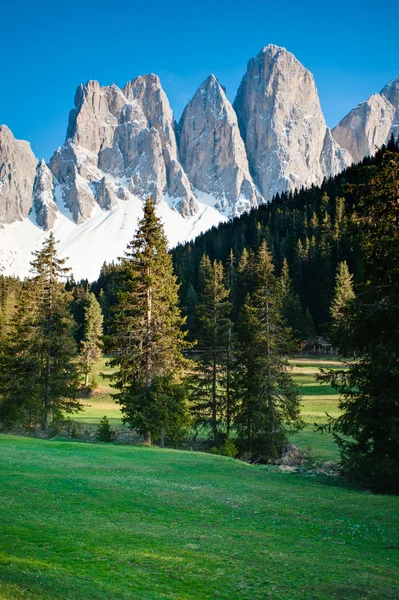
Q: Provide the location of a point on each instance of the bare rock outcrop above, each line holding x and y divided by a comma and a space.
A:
285, 134
212, 151
43, 197
17, 175
370, 124
128, 134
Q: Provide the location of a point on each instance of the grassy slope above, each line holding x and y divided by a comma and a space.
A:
81, 521
316, 399
102, 403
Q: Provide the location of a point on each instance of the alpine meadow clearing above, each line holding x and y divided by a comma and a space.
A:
105, 521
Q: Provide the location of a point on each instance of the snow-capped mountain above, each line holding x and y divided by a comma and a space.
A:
123, 145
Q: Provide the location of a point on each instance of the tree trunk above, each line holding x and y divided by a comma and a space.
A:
214, 382
87, 380
147, 437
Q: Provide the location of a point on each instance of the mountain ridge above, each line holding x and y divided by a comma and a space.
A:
123, 144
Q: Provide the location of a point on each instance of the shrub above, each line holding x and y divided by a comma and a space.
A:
104, 431
228, 448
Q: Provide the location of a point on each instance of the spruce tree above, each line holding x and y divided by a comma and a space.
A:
269, 403
41, 354
93, 332
291, 310
54, 332
343, 292
210, 404
149, 340
20, 389
367, 431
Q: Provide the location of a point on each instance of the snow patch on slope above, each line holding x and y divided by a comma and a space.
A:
103, 237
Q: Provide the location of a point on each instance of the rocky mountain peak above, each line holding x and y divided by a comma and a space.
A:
371, 123
212, 150
43, 197
280, 118
128, 135
391, 92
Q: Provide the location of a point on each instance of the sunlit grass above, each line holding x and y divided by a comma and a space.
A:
317, 400
100, 522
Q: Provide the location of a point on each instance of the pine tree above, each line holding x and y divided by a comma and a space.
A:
93, 331
290, 307
343, 292
40, 355
20, 389
367, 431
269, 403
10, 288
214, 329
149, 340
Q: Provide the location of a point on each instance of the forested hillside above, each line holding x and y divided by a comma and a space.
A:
313, 229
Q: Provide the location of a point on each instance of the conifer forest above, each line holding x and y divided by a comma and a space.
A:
198, 337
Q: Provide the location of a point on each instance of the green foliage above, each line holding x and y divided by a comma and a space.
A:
343, 292
370, 330
211, 397
149, 340
268, 404
39, 378
10, 288
91, 344
104, 431
228, 448
163, 409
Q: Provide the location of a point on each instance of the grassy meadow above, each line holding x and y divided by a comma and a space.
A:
316, 401
89, 521
99, 521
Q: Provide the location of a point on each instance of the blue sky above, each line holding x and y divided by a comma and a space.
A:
48, 48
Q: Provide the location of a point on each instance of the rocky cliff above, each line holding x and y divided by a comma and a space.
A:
285, 134
212, 150
371, 123
17, 174
127, 135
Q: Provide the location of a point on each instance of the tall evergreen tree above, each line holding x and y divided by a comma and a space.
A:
343, 292
41, 353
294, 317
93, 332
20, 390
367, 431
210, 404
149, 340
269, 403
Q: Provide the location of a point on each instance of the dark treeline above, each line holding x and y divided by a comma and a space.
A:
314, 230
199, 336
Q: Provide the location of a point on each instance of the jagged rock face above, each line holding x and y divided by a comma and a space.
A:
391, 92
17, 175
43, 197
371, 123
366, 127
106, 198
212, 151
128, 134
74, 169
285, 134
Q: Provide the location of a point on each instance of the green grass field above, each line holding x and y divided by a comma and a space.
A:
85, 521
102, 402
316, 400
